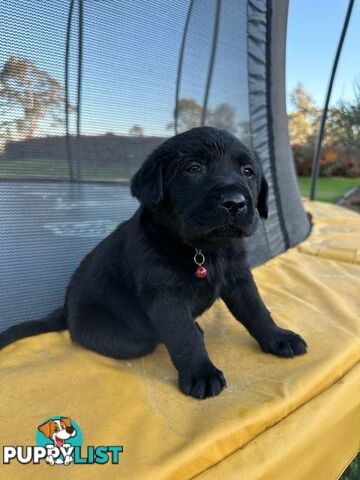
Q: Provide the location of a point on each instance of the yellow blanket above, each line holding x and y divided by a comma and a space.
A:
279, 418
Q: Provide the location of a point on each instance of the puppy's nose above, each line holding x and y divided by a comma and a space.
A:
233, 202
69, 429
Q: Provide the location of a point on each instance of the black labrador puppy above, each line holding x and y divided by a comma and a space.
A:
201, 192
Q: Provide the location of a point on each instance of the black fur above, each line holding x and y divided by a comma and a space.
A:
138, 286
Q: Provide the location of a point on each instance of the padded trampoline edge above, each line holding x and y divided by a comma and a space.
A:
244, 458
295, 220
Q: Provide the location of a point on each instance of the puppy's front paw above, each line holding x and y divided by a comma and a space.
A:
205, 382
68, 459
283, 343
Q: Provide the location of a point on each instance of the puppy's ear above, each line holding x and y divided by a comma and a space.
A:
147, 184
66, 420
262, 202
45, 428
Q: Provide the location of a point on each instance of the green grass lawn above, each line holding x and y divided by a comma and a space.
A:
33, 168
329, 189
59, 169
353, 470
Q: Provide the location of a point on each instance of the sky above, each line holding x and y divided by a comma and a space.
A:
314, 28
131, 52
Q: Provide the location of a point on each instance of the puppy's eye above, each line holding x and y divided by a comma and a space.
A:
248, 171
56, 429
194, 168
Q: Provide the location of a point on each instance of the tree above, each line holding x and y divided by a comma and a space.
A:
189, 114
27, 95
340, 153
136, 131
303, 119
342, 135
343, 124
222, 116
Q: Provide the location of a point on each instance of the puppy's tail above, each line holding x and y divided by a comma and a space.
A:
54, 322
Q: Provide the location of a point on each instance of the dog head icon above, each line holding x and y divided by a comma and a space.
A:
58, 430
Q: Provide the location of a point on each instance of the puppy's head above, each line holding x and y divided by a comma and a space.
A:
208, 183
58, 430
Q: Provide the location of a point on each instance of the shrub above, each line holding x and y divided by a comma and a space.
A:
339, 160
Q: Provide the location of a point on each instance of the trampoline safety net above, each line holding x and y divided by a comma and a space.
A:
89, 88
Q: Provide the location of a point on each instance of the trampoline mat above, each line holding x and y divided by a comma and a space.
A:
279, 418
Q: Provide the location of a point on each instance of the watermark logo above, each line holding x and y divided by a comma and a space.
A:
59, 435
59, 442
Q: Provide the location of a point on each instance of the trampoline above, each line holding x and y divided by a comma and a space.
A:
216, 58
89, 89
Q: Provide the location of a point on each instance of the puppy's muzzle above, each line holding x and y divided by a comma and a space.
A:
233, 202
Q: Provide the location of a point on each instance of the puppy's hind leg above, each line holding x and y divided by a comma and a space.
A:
98, 329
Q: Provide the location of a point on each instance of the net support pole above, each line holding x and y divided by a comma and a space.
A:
67, 101
211, 62
316, 159
180, 65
